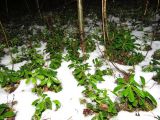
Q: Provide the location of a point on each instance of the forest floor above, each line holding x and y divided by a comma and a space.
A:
71, 94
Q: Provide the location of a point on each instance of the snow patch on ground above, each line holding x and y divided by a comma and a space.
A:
70, 96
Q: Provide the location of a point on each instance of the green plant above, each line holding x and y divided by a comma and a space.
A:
148, 68
104, 72
134, 58
36, 60
34, 57
153, 67
72, 47
42, 104
97, 62
6, 112
57, 103
2, 46
123, 41
147, 47
48, 80
9, 79
55, 41
157, 76
56, 61
18, 58
99, 116
90, 44
79, 72
85, 79
156, 54
122, 48
158, 117
15, 41
101, 103
14, 50
133, 96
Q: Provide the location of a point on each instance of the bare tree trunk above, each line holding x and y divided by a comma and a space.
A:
81, 27
104, 22
146, 7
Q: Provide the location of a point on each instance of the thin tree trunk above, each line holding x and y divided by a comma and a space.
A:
81, 27
146, 7
104, 22
7, 43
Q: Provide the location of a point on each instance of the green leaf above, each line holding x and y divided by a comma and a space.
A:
41, 77
43, 82
135, 103
141, 101
35, 102
49, 83
143, 81
4, 106
41, 106
131, 79
9, 114
120, 81
48, 103
79, 76
34, 81
119, 87
57, 103
28, 81
55, 80
1, 117
2, 110
138, 92
148, 95
131, 94
98, 117
125, 92
77, 71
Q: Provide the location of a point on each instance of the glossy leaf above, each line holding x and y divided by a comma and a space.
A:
131, 94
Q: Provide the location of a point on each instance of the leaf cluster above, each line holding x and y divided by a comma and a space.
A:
6, 112
101, 103
121, 47
42, 104
9, 77
47, 78
133, 96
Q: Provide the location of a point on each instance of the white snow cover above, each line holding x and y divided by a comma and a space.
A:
70, 96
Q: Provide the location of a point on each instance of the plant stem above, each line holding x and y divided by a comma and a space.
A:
7, 43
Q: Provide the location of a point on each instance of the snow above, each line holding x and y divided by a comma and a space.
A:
70, 96
155, 46
24, 98
124, 115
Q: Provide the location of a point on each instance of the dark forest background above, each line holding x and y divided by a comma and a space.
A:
14, 8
